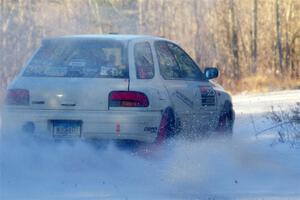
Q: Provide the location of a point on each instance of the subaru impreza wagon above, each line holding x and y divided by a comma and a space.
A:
123, 87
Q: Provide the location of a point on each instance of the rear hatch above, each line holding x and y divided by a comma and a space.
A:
75, 73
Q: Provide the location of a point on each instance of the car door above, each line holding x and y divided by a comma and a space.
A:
191, 94
204, 96
180, 94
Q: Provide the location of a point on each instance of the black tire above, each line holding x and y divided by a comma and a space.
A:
226, 121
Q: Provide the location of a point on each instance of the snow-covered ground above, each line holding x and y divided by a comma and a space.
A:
245, 168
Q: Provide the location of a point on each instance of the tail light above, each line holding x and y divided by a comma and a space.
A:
17, 97
128, 99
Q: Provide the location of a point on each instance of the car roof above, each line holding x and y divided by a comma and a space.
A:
119, 37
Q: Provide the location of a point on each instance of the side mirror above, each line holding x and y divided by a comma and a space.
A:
211, 72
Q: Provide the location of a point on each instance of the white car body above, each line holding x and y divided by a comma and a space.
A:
85, 101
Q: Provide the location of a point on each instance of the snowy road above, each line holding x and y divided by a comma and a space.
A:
245, 168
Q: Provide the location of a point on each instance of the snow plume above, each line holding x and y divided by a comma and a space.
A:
180, 169
246, 167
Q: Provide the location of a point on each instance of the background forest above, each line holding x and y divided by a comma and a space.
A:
254, 43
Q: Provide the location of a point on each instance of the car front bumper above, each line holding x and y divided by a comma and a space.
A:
122, 125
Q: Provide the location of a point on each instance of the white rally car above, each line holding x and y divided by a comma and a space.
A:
127, 87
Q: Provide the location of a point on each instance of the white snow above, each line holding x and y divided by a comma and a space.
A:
246, 167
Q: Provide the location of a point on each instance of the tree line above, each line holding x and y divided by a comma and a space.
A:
254, 43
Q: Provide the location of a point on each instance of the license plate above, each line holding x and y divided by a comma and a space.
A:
63, 128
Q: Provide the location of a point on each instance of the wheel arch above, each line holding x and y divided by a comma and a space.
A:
228, 109
175, 120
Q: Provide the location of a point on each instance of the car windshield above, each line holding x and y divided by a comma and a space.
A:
72, 58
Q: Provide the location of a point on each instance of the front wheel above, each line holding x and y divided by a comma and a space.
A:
225, 124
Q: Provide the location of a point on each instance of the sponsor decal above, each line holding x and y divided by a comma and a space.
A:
184, 99
207, 91
150, 129
208, 95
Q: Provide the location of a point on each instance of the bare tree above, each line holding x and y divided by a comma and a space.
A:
234, 41
254, 37
278, 30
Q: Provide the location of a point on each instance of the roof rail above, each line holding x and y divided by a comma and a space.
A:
113, 33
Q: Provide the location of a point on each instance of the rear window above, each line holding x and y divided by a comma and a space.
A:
87, 59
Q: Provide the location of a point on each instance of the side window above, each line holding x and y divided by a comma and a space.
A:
143, 60
188, 69
168, 66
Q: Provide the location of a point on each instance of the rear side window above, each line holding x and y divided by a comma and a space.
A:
168, 66
143, 61
79, 58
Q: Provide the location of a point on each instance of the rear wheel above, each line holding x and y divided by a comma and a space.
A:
166, 130
166, 127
